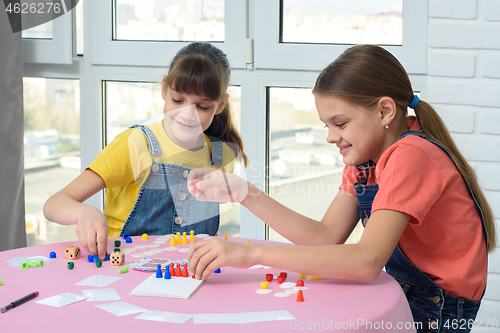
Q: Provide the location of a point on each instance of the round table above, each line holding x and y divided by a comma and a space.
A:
329, 304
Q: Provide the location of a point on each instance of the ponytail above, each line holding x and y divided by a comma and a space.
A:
434, 128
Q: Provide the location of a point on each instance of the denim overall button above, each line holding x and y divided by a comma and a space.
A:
178, 221
155, 168
185, 173
182, 196
436, 299
433, 324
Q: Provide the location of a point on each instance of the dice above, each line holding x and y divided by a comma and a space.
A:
72, 252
117, 258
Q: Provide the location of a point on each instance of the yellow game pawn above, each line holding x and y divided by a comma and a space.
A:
225, 235
172, 240
248, 241
184, 238
191, 237
178, 239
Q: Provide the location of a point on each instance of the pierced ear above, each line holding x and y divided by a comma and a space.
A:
388, 109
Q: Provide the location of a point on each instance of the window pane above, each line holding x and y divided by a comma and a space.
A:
51, 151
304, 171
42, 31
342, 22
169, 20
129, 103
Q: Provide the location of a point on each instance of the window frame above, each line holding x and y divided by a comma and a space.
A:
106, 51
57, 50
271, 54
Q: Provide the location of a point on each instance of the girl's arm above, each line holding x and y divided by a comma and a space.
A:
66, 207
335, 227
362, 261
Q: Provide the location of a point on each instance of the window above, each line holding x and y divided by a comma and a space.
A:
130, 43
292, 33
51, 151
342, 22
51, 42
304, 170
167, 20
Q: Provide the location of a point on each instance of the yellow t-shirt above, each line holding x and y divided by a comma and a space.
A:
125, 163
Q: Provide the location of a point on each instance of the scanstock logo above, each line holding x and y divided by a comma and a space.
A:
26, 14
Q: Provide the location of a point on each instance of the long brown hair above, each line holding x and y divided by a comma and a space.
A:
365, 73
202, 69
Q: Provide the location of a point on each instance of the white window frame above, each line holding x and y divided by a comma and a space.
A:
106, 51
57, 50
275, 66
271, 54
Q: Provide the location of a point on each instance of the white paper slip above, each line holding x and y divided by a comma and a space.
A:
219, 318
98, 281
176, 287
253, 317
121, 308
62, 300
99, 295
166, 317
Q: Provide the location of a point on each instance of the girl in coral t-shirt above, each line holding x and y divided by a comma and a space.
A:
427, 221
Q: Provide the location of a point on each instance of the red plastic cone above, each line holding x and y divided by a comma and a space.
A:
300, 296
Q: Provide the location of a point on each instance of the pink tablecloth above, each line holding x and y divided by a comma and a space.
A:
329, 304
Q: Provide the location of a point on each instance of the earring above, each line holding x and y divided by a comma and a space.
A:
386, 126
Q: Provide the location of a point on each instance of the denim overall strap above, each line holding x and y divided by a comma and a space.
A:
154, 145
483, 221
217, 151
431, 307
164, 205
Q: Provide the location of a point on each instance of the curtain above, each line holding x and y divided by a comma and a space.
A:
12, 225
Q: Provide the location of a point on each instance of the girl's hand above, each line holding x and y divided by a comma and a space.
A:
92, 232
206, 256
217, 186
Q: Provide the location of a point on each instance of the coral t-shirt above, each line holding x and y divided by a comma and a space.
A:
444, 237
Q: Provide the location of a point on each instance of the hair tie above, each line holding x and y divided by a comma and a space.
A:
414, 102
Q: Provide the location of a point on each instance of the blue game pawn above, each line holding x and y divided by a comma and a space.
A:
158, 272
52, 255
217, 271
167, 274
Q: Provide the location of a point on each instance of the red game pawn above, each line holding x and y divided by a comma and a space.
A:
284, 275
178, 270
269, 277
196, 189
171, 269
185, 270
300, 283
280, 279
300, 296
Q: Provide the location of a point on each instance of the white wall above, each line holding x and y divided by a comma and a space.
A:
464, 86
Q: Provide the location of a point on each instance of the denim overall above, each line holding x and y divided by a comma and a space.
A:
433, 310
164, 205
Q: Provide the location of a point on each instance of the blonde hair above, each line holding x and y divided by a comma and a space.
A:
365, 73
202, 69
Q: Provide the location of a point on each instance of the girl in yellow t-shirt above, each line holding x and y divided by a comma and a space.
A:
144, 169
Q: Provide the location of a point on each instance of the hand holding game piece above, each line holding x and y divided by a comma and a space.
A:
216, 186
207, 256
